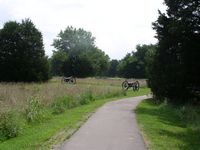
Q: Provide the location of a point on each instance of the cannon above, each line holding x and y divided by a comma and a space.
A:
126, 85
70, 80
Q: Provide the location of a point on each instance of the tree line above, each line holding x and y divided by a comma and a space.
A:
77, 55
22, 55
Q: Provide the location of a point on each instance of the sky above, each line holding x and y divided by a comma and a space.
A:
117, 25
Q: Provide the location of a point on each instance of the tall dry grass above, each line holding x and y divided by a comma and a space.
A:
16, 95
109, 81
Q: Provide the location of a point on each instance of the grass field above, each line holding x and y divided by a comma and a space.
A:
166, 127
15, 95
36, 116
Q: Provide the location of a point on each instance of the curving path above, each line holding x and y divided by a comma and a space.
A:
112, 127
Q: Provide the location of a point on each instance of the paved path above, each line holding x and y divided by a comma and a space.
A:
112, 127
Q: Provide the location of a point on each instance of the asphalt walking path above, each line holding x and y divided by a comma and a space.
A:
112, 127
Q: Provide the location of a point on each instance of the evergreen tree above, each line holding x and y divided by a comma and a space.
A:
175, 73
22, 56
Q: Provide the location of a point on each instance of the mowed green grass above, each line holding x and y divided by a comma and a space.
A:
34, 136
58, 127
164, 127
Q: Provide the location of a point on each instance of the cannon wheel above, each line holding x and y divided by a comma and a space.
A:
72, 80
136, 86
125, 85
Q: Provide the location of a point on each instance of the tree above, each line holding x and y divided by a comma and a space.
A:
149, 59
99, 61
22, 56
126, 65
133, 64
112, 70
79, 55
175, 72
57, 62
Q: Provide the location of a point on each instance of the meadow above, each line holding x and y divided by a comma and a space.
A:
16, 95
26, 108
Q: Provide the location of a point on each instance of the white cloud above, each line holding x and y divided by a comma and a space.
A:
118, 25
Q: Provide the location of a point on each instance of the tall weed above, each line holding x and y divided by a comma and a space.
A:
60, 104
35, 111
86, 97
9, 125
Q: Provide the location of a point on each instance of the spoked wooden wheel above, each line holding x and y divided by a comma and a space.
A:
136, 86
72, 81
125, 85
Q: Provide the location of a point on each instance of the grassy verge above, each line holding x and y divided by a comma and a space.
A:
39, 135
166, 127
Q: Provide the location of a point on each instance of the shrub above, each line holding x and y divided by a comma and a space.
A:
9, 125
61, 103
86, 97
35, 110
72, 102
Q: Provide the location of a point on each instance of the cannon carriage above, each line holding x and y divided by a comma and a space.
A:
127, 84
70, 80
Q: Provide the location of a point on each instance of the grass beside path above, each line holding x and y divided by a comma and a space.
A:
167, 127
58, 128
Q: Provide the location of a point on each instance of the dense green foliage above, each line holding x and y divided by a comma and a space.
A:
77, 54
175, 70
22, 56
113, 70
9, 125
57, 62
34, 111
133, 65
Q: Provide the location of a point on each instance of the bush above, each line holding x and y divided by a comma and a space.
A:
72, 102
61, 103
65, 102
35, 110
86, 98
9, 125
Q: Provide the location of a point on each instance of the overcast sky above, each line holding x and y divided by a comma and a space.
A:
118, 25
